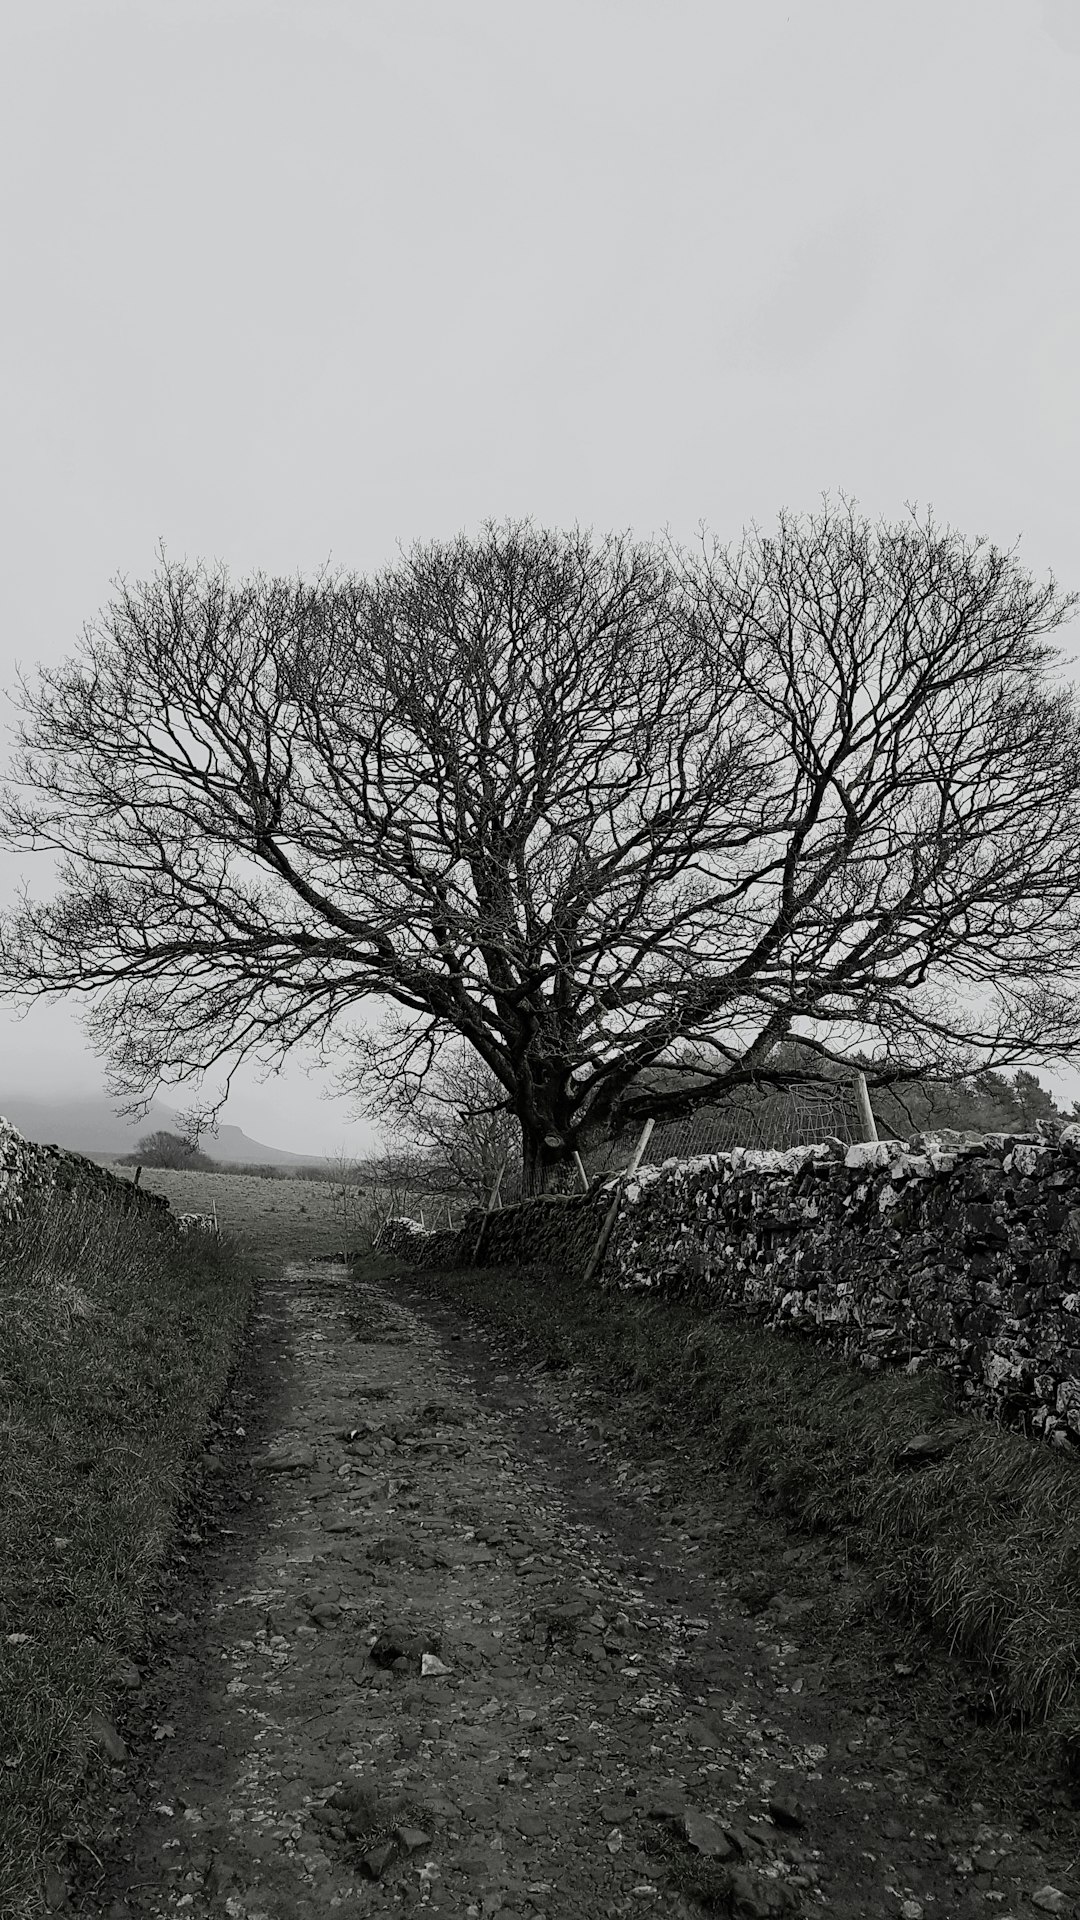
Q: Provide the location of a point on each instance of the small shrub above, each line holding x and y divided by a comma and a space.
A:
164, 1149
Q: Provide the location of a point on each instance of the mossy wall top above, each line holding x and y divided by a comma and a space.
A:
25, 1167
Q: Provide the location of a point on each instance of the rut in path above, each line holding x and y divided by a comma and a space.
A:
444, 1662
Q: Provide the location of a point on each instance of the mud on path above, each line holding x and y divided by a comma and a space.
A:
448, 1654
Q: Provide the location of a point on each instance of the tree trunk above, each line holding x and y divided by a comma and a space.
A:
544, 1165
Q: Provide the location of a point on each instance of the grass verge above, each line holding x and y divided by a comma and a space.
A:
976, 1537
117, 1338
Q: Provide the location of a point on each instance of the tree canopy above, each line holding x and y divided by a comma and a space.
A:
587, 804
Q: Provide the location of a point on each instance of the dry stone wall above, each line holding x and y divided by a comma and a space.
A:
958, 1252
26, 1167
557, 1229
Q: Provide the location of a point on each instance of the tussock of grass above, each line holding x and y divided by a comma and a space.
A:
982, 1547
116, 1340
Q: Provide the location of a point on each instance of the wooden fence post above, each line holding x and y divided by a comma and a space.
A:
605, 1232
491, 1205
866, 1111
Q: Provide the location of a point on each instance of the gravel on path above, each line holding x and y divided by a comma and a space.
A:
446, 1658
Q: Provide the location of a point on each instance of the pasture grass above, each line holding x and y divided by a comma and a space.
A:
285, 1218
117, 1338
288, 1218
980, 1548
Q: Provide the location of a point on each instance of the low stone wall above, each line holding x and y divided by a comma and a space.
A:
956, 1252
558, 1229
26, 1167
959, 1252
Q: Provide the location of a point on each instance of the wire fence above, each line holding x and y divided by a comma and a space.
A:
796, 1116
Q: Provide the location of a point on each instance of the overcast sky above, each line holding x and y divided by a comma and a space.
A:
285, 282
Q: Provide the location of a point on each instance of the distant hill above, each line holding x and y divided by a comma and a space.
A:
87, 1123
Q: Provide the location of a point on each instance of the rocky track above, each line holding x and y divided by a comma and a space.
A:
450, 1653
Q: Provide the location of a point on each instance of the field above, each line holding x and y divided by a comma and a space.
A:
287, 1218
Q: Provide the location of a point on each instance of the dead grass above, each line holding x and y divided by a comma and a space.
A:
116, 1341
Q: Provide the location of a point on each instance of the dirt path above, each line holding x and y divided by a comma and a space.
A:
439, 1658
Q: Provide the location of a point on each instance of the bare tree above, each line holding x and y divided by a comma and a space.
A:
579, 803
457, 1113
